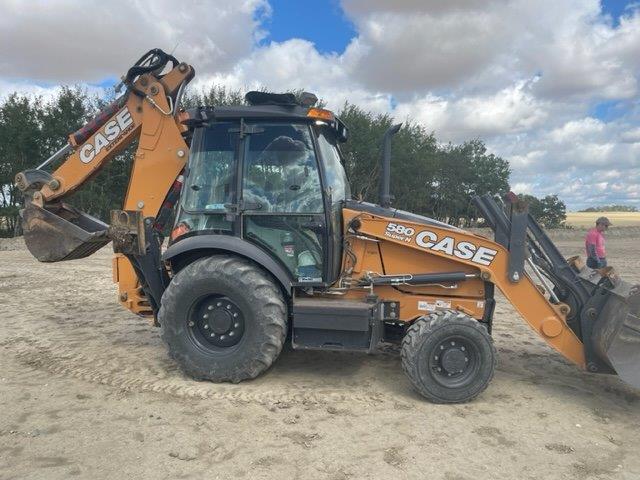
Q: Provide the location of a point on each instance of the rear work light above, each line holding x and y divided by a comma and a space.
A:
321, 114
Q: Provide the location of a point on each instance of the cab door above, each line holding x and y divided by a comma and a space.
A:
210, 184
337, 192
282, 207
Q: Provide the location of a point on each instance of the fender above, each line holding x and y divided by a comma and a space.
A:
235, 245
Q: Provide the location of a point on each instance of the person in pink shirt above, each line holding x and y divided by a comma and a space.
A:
594, 244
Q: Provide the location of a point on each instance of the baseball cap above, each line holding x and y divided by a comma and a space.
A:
604, 221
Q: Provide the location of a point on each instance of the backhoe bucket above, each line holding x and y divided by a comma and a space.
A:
61, 232
616, 332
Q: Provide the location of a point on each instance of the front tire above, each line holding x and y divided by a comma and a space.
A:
448, 356
223, 319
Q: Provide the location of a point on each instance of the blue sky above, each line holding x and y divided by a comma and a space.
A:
325, 23
322, 22
615, 8
552, 86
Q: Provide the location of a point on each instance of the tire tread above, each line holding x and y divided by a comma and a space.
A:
426, 326
261, 290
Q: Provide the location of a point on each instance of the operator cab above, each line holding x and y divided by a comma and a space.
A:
271, 174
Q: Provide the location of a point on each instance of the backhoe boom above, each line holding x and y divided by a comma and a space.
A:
147, 113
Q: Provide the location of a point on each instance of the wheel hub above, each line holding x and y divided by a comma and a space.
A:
452, 362
217, 321
220, 321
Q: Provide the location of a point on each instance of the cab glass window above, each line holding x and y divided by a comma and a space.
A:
209, 184
281, 172
337, 183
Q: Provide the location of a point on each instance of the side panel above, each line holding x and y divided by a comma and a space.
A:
384, 258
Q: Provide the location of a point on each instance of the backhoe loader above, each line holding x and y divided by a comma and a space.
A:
267, 245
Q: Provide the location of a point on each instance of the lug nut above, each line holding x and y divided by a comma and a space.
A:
191, 324
206, 315
236, 325
210, 307
206, 327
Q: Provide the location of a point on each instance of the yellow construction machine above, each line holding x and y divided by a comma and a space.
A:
267, 244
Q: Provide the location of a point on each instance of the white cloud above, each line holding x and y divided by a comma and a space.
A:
524, 76
511, 110
296, 64
77, 41
411, 52
522, 187
410, 46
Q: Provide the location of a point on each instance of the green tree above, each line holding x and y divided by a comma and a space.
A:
21, 147
549, 211
554, 211
611, 208
426, 177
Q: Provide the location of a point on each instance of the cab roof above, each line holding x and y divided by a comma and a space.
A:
230, 112
267, 106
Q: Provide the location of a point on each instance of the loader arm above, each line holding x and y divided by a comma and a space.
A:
491, 262
147, 113
591, 317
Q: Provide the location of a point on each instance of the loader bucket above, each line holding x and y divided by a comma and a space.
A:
61, 232
616, 332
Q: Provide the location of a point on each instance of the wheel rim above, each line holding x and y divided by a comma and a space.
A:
454, 362
216, 323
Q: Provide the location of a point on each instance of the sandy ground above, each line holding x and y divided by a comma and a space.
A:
87, 391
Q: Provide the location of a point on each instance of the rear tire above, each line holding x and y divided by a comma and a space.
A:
223, 319
448, 356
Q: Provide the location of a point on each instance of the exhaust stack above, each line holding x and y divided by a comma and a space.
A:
385, 173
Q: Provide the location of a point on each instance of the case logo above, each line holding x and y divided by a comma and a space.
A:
112, 131
447, 245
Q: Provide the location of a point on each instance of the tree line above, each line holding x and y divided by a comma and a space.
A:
611, 208
427, 177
